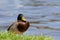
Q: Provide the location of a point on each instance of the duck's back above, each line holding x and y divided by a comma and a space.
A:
19, 27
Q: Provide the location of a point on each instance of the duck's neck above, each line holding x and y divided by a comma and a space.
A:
21, 20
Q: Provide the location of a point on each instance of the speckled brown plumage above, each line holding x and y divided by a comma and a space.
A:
19, 27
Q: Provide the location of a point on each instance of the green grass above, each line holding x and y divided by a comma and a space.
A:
11, 36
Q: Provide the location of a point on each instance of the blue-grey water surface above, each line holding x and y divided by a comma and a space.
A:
43, 19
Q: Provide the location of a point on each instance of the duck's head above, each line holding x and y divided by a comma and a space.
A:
21, 18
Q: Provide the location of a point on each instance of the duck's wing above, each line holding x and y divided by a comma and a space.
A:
9, 27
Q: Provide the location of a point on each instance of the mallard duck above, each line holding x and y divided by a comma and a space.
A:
20, 26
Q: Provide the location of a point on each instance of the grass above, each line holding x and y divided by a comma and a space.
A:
11, 36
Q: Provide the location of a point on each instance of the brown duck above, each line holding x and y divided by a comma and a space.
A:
20, 26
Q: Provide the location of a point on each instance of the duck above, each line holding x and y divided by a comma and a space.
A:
20, 26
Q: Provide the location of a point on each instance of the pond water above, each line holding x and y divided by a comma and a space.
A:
43, 19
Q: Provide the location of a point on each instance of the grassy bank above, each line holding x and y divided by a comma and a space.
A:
11, 36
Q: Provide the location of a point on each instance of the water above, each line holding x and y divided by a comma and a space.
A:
43, 19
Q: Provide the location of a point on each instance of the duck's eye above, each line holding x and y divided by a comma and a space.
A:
23, 19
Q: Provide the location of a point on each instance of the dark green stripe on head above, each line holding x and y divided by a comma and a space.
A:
19, 17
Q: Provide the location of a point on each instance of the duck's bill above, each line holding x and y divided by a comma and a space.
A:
23, 19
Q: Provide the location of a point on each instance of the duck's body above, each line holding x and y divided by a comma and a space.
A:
19, 27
